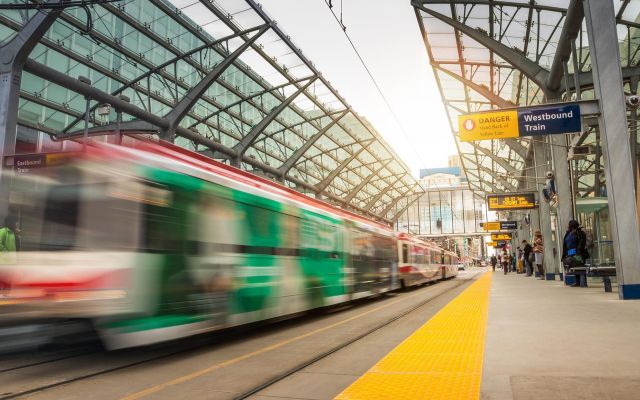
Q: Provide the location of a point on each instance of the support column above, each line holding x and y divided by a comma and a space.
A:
563, 181
544, 211
607, 83
12, 58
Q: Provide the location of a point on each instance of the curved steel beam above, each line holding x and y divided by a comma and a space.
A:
366, 180
570, 30
248, 139
323, 184
500, 161
251, 96
193, 95
293, 159
531, 69
378, 196
160, 67
403, 209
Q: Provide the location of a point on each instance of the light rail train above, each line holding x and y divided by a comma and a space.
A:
421, 262
151, 242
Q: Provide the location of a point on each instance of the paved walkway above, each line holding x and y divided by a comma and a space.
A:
548, 341
541, 340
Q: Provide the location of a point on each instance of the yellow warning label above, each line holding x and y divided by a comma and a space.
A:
491, 226
489, 125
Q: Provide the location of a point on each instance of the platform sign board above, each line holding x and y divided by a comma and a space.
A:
489, 125
525, 121
519, 201
499, 226
495, 237
26, 163
501, 243
508, 225
537, 121
491, 226
492, 244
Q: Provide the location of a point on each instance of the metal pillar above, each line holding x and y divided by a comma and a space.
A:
607, 82
633, 129
544, 212
12, 58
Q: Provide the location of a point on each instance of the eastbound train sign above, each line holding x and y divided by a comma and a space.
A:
526, 121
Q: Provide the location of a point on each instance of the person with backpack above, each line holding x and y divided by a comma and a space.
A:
527, 250
9, 244
574, 248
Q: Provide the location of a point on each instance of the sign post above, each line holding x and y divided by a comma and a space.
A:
518, 122
499, 226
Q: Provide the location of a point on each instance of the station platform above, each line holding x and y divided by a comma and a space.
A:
514, 337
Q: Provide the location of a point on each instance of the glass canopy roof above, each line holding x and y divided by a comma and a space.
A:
489, 54
267, 108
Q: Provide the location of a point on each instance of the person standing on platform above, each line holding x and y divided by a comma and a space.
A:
513, 262
519, 254
494, 261
574, 248
9, 244
526, 257
538, 253
505, 262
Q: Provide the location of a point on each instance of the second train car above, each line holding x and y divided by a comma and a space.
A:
420, 262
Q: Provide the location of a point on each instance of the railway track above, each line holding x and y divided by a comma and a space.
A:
341, 346
199, 344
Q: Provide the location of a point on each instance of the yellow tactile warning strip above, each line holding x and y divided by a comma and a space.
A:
441, 360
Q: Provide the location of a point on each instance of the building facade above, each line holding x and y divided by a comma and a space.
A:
448, 212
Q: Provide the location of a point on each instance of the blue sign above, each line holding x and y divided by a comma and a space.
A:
549, 120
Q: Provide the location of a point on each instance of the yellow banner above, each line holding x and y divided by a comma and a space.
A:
489, 125
500, 236
492, 244
491, 226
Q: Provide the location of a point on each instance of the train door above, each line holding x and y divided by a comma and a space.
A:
382, 263
362, 254
322, 259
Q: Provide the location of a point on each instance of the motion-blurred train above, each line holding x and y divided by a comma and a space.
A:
151, 242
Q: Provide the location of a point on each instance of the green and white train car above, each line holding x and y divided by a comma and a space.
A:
151, 242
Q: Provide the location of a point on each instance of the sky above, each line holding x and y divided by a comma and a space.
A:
387, 35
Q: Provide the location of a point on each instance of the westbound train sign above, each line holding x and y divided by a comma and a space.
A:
526, 121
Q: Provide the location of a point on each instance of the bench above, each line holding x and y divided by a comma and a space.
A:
603, 271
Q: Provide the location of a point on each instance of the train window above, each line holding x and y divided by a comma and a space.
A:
60, 223
405, 253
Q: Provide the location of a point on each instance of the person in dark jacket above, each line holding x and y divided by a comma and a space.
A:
574, 247
494, 261
526, 250
505, 262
